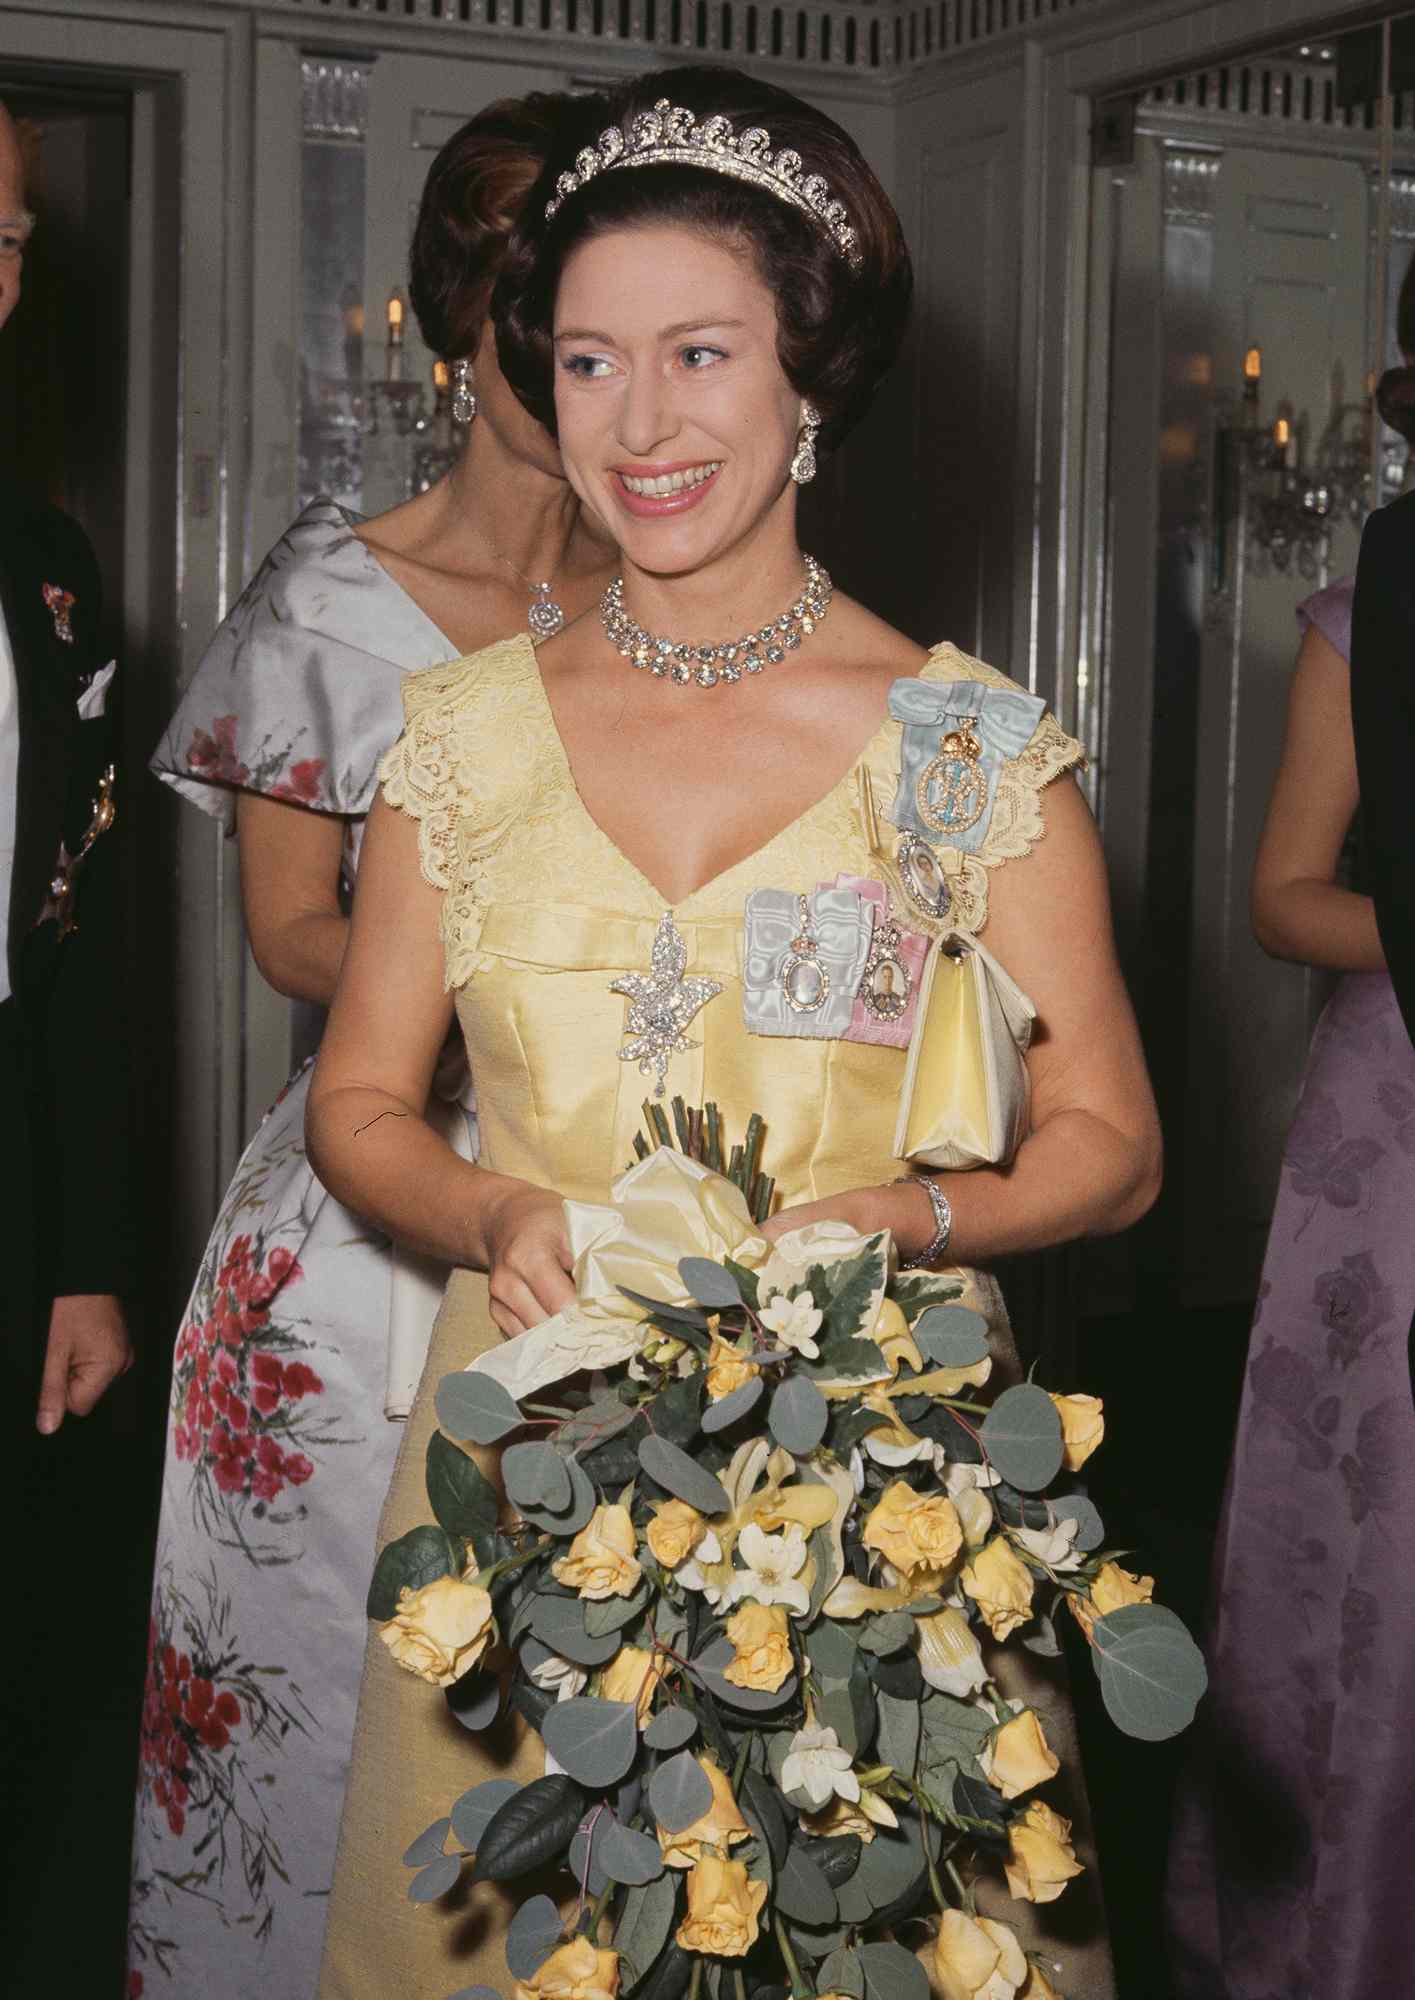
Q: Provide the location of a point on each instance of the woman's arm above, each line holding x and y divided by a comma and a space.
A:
1091, 1163
1299, 912
290, 859
364, 1124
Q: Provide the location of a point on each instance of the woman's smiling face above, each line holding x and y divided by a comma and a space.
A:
677, 425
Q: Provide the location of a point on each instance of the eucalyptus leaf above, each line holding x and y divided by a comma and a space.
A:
854, 1902
836, 1855
474, 1406
836, 1711
887, 1634
536, 1476
802, 1890
611, 1614
901, 1675
671, 1728
595, 1741
430, 1843
899, 1732
842, 1972
719, 1416
1021, 1435
626, 1855
559, 1622
464, 1502
674, 1412
889, 1864
954, 1731
767, 1807
417, 1558
892, 1973
975, 1798
831, 1649
951, 1336
534, 1826
660, 1309
797, 1415
600, 1419
1080, 1508
645, 1922
583, 1859
476, 1809
679, 1793
475, 1993
436, 1879
1151, 1672
709, 1283
475, 1699
677, 1473
534, 1932
1043, 1640
670, 1975
567, 1520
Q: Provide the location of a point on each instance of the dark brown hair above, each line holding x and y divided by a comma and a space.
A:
838, 328
474, 192
1395, 392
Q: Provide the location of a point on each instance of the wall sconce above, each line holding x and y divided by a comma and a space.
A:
401, 399
1291, 500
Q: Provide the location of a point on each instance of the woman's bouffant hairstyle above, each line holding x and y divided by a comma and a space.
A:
474, 192
1395, 392
838, 328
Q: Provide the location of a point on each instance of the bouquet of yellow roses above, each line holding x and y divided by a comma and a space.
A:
749, 1586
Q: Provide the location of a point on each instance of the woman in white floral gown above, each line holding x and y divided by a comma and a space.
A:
279, 1450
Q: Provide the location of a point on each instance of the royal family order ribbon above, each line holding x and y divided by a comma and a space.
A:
1003, 722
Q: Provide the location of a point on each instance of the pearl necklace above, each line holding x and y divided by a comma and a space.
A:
705, 666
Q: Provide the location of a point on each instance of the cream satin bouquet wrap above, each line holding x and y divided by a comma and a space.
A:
740, 1585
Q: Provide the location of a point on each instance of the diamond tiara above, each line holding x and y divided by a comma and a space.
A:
670, 136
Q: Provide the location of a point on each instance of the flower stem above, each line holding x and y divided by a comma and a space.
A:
963, 1892
799, 1988
740, 1766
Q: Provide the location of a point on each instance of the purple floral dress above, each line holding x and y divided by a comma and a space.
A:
1290, 1874
278, 1449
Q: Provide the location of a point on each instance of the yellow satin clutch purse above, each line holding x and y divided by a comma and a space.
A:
966, 1095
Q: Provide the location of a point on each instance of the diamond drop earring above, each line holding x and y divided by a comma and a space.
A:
464, 403
803, 465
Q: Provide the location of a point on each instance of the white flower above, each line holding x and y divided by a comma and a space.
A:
560, 1677
795, 1322
959, 1478
975, 1512
1052, 1545
773, 1568
887, 1447
877, 1809
816, 1765
857, 1469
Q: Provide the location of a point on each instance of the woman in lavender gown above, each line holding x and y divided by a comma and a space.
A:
1289, 1868
278, 1449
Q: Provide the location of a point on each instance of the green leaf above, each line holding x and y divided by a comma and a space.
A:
710, 1284
831, 1649
600, 1419
463, 1501
595, 1741
679, 1474
568, 1520
846, 1288
837, 1856
476, 1809
1090, 1529
892, 1973
954, 1731
533, 1827
612, 1614
671, 1728
429, 1844
536, 1476
670, 1975
679, 1793
474, 1406
475, 1993
1151, 1672
674, 1412
747, 1281
1021, 1434
660, 1309
559, 1622
848, 1359
798, 1415
766, 1806
802, 1890
951, 1336
899, 1733
436, 1879
975, 1798
417, 1558
645, 1922
889, 1865
915, 1292
843, 1973
887, 1633
474, 1699
534, 1932
626, 1855
720, 1415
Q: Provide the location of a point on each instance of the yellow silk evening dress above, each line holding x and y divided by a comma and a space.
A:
541, 914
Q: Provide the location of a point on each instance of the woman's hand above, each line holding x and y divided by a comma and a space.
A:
526, 1251
905, 1211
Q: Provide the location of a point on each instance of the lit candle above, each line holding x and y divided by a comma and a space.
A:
1252, 373
1282, 433
441, 377
394, 368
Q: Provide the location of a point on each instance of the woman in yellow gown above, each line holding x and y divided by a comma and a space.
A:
610, 856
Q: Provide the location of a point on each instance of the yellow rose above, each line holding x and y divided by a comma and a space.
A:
913, 1530
1040, 1858
892, 1337
1038, 1986
574, 1971
722, 1909
727, 1369
776, 1507
763, 1651
1082, 1427
976, 1959
722, 1825
949, 1653
1111, 1587
440, 1631
1019, 1756
674, 1532
1001, 1587
601, 1561
632, 1675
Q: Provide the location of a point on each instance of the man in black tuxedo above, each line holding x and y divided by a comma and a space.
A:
65, 1256
1383, 716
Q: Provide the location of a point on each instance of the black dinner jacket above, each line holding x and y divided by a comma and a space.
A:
1383, 717
64, 1079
